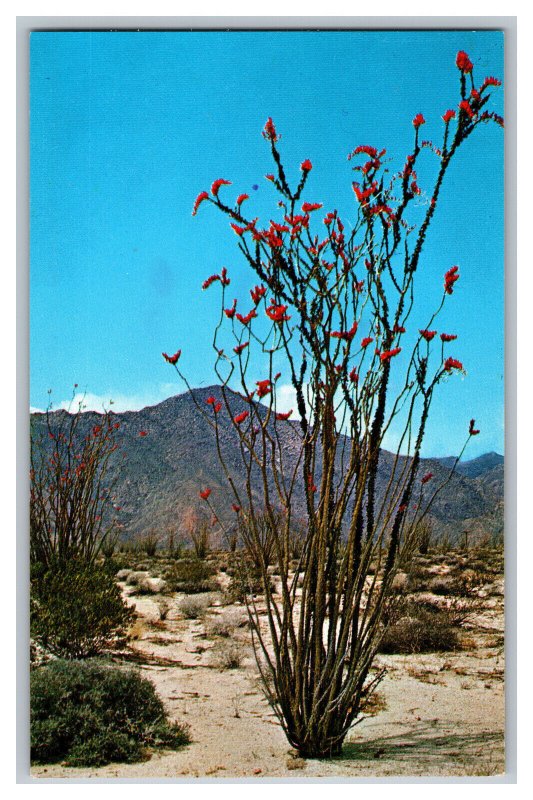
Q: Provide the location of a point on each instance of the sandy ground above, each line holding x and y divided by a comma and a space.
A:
444, 713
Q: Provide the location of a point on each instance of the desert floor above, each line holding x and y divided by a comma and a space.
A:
443, 715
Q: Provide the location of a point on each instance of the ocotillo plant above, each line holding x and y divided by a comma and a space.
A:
72, 507
333, 305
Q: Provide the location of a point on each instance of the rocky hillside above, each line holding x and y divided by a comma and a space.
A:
157, 475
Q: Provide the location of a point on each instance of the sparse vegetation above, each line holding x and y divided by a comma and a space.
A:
194, 607
90, 714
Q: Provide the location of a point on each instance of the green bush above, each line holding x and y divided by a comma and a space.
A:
77, 611
90, 714
191, 576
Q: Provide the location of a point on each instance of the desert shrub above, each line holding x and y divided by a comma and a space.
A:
77, 611
194, 607
90, 714
246, 582
149, 542
200, 539
229, 657
191, 576
225, 624
420, 629
418, 579
424, 534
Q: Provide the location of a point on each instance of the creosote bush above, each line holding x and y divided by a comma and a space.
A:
91, 714
191, 576
77, 611
420, 629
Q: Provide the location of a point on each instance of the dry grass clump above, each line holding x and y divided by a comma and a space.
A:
420, 629
229, 656
225, 624
194, 607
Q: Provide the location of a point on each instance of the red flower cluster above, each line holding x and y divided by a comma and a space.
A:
428, 335
347, 336
204, 494
283, 416
427, 477
307, 207
200, 199
388, 354
366, 341
257, 293
96, 430
143, 433
269, 131
241, 417
399, 329
490, 81
306, 166
452, 363
215, 186
237, 228
354, 377
277, 313
223, 278
449, 279
448, 337
463, 62
248, 318
172, 359
230, 312
471, 430
240, 347
465, 106
364, 195
419, 120
241, 198
265, 387
368, 150
235, 508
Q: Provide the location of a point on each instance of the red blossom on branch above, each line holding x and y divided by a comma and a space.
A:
241, 198
143, 433
465, 106
366, 341
265, 387
399, 329
306, 166
452, 363
237, 228
200, 199
490, 81
463, 62
277, 313
448, 115
248, 318
204, 494
215, 186
241, 417
235, 508
257, 293
388, 354
354, 377
208, 281
419, 120
449, 279
217, 407
282, 416
471, 430
230, 312
448, 337
211, 400
347, 336
427, 477
428, 335
269, 131
240, 347
307, 207
172, 359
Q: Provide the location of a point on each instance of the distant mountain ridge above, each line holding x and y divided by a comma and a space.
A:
158, 476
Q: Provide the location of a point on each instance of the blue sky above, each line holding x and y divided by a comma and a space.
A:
127, 128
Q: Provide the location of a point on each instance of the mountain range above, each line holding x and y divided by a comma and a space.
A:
157, 474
